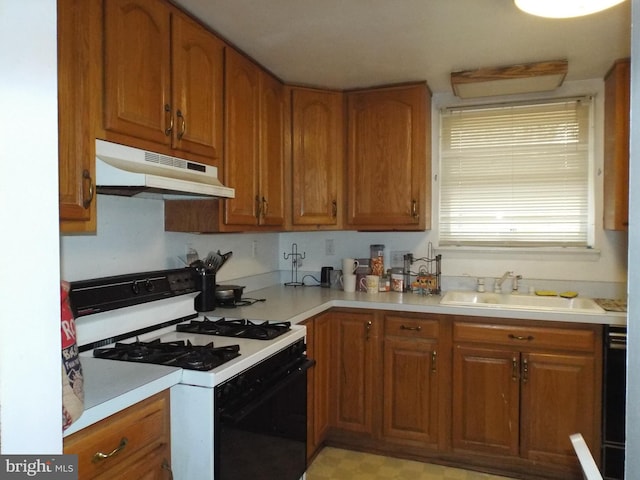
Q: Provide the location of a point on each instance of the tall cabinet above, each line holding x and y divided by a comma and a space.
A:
317, 151
388, 145
79, 67
616, 146
254, 145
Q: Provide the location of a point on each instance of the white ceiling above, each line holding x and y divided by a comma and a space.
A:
358, 43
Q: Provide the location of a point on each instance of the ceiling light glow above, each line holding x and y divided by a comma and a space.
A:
564, 8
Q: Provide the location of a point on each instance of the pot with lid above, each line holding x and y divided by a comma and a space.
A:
228, 294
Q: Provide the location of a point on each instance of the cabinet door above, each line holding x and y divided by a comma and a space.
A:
354, 337
388, 134
410, 391
318, 156
136, 70
486, 400
197, 80
557, 401
78, 110
616, 146
241, 138
319, 387
271, 170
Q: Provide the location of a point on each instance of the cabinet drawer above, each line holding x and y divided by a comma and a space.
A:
136, 431
412, 327
522, 336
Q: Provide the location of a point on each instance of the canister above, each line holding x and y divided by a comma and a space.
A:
377, 259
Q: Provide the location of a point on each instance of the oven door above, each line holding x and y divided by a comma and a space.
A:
264, 435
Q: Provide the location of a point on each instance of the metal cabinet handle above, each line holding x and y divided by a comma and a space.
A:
167, 109
368, 330
167, 467
528, 338
265, 207
99, 456
525, 370
334, 208
183, 124
434, 356
414, 208
414, 329
514, 369
258, 207
86, 176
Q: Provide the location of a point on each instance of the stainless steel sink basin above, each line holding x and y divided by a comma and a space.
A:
522, 302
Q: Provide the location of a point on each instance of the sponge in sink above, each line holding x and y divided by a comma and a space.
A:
569, 294
546, 293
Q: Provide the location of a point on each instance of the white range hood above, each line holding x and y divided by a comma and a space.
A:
128, 171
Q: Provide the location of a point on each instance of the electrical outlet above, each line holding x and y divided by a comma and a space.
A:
254, 248
329, 247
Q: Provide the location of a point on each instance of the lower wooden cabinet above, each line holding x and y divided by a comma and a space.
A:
490, 394
415, 368
133, 443
520, 390
354, 339
318, 381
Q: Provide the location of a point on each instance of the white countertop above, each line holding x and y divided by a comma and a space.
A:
296, 304
111, 386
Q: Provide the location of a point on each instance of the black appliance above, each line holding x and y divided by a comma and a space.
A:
261, 415
613, 402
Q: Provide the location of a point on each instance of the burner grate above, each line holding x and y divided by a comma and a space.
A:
240, 328
176, 354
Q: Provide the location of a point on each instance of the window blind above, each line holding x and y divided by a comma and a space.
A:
516, 175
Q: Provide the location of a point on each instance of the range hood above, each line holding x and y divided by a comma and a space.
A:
128, 171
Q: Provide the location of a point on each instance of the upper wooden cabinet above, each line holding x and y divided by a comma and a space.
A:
254, 145
79, 66
163, 80
317, 150
388, 149
616, 146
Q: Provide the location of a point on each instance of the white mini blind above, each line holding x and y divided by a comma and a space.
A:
516, 175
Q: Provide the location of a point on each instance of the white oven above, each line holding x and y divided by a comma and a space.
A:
253, 394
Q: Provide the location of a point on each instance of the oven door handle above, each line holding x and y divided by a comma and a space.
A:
238, 414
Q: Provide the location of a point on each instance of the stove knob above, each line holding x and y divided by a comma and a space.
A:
149, 286
135, 287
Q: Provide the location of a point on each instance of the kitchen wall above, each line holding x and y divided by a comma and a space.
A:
30, 386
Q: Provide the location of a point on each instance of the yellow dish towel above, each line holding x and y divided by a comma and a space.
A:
569, 294
546, 293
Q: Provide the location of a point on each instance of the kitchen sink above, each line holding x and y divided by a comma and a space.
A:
521, 302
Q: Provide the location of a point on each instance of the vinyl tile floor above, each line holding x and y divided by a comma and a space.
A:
337, 464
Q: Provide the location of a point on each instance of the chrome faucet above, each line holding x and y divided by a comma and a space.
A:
514, 285
497, 286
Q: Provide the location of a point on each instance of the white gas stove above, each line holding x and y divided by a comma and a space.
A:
136, 318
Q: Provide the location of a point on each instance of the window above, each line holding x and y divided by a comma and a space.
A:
517, 175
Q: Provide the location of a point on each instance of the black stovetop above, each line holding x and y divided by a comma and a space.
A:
239, 328
180, 353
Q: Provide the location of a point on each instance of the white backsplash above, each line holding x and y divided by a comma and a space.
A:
131, 238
